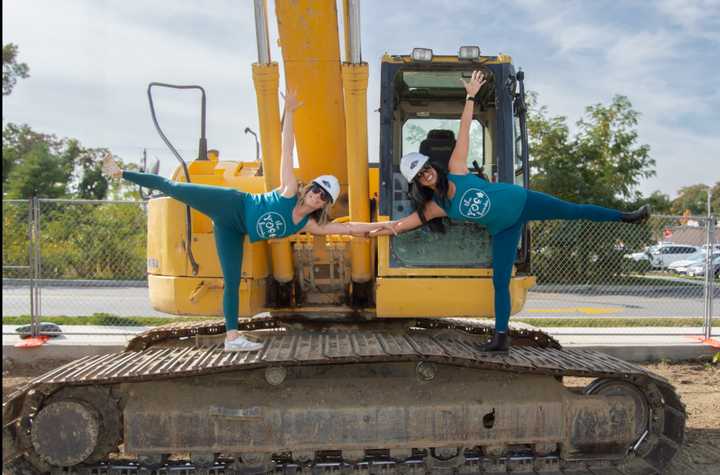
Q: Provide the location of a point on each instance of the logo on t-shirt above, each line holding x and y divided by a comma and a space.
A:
474, 204
271, 225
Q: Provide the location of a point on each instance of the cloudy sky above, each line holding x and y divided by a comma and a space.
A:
91, 60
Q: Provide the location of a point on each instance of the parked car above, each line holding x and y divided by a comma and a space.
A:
642, 255
682, 265
715, 247
699, 269
666, 254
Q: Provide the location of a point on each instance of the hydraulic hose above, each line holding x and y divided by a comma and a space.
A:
202, 155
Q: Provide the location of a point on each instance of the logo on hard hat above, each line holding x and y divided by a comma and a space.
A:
414, 164
474, 204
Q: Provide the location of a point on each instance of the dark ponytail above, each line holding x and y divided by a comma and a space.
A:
421, 195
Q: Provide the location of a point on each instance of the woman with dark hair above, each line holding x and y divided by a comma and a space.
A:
235, 214
502, 208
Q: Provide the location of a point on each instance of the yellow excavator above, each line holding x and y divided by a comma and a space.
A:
372, 360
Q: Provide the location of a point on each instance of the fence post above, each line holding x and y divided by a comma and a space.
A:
35, 286
709, 275
31, 262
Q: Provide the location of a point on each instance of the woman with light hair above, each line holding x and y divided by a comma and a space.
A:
235, 214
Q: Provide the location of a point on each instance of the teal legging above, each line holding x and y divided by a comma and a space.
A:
538, 207
224, 206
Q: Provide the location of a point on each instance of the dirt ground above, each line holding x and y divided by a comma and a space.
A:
699, 386
697, 382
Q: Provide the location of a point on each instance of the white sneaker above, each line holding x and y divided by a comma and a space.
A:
110, 167
242, 344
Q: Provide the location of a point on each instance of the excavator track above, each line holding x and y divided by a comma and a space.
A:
522, 335
105, 387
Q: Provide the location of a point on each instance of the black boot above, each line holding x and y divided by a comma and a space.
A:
638, 216
500, 343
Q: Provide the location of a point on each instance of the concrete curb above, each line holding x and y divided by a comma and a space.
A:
630, 344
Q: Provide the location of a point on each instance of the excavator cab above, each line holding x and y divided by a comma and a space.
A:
422, 98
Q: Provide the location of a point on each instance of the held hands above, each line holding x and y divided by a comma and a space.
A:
476, 82
385, 228
292, 102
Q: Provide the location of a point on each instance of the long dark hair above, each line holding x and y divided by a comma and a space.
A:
421, 195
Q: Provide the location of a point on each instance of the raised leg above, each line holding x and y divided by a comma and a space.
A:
541, 206
213, 201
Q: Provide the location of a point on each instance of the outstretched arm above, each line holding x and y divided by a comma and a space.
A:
410, 222
458, 159
349, 228
288, 181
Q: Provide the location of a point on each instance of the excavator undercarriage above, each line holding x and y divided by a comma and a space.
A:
404, 396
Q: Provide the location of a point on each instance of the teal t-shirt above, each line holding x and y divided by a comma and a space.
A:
496, 206
269, 216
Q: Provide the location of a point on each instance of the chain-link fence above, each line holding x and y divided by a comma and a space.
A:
16, 262
85, 258
88, 258
655, 269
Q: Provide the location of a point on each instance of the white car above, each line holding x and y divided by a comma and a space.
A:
643, 255
682, 265
666, 254
699, 269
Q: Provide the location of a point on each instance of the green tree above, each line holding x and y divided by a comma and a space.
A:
694, 198
659, 202
601, 164
43, 165
12, 70
83, 240
39, 173
18, 140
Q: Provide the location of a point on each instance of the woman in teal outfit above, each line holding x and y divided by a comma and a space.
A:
502, 208
235, 214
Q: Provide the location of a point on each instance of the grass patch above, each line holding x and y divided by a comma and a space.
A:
106, 319
613, 322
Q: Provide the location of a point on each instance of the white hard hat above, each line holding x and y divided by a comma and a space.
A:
411, 164
330, 184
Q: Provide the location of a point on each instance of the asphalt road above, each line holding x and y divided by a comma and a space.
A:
608, 302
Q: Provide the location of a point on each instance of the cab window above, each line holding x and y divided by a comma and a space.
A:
416, 130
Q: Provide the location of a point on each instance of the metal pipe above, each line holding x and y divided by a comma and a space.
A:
352, 31
346, 31
36, 310
31, 259
261, 31
355, 80
709, 286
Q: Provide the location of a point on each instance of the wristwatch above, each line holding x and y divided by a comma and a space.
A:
469, 98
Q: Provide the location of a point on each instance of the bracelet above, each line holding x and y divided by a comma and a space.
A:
469, 98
